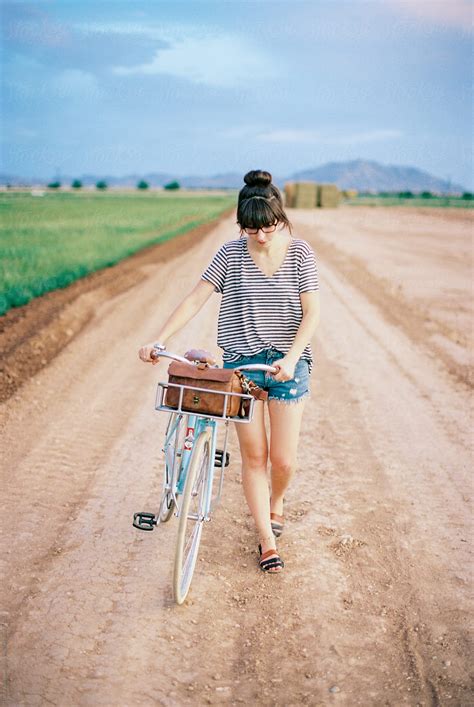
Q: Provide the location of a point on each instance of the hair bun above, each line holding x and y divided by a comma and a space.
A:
258, 178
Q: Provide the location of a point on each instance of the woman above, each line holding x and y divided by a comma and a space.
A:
268, 314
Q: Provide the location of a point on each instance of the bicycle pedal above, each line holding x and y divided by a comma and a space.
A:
144, 521
219, 458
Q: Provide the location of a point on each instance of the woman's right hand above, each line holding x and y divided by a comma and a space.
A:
144, 353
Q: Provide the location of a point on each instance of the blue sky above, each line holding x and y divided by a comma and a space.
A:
205, 87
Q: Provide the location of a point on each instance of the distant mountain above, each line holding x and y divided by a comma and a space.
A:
366, 175
229, 180
363, 175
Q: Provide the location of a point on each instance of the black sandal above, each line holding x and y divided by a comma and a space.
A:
278, 523
267, 562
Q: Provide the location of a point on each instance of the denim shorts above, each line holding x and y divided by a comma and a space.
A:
284, 391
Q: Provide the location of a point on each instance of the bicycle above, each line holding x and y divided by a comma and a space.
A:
190, 459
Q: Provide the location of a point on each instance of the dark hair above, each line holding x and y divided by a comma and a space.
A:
260, 203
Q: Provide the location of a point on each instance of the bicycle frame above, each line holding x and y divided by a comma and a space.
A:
191, 457
195, 425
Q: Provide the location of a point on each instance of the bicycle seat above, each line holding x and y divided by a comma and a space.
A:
200, 356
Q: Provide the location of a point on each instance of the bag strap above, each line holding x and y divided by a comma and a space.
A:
251, 388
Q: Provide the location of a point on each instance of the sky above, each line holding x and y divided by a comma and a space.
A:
203, 87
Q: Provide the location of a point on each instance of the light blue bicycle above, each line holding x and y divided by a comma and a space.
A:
191, 457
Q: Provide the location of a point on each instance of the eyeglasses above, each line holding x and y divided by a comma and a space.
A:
264, 229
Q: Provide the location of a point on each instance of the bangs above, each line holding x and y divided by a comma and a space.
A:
257, 215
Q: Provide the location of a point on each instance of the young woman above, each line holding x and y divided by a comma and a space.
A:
268, 314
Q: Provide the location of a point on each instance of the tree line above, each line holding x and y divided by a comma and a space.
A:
102, 185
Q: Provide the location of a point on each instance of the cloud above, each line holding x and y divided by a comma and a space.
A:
319, 137
445, 13
201, 53
32, 26
28, 79
169, 32
224, 61
90, 46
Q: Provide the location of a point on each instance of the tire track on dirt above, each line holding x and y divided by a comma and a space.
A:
312, 639
395, 308
82, 581
419, 610
403, 355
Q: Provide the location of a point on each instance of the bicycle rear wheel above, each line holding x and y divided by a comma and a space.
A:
172, 466
191, 517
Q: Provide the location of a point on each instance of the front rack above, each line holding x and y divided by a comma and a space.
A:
163, 387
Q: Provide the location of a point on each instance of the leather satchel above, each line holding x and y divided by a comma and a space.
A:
224, 380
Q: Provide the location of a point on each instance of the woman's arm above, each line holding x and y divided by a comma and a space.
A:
180, 316
306, 329
308, 325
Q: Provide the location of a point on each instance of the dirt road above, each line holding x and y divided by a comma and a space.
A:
372, 607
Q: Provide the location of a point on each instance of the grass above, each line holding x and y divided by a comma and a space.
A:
436, 201
48, 242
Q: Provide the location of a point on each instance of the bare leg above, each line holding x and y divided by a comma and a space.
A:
254, 450
285, 425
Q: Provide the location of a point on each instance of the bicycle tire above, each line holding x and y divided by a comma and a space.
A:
172, 461
190, 530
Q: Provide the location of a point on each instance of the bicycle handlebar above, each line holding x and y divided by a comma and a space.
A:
157, 353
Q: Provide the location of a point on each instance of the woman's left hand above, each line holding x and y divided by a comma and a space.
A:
286, 368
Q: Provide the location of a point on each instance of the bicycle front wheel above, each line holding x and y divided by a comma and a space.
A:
191, 517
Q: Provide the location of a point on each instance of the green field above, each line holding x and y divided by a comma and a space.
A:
48, 242
434, 201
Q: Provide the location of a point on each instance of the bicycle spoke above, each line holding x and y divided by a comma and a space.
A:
195, 508
192, 516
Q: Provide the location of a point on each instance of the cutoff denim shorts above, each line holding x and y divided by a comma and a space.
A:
291, 391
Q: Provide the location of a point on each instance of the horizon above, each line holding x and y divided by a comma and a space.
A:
194, 89
40, 181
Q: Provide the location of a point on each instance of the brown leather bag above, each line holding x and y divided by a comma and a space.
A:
221, 379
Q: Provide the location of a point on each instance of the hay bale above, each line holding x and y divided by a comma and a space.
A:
289, 194
328, 196
306, 195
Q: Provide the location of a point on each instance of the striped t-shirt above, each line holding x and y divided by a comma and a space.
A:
258, 312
